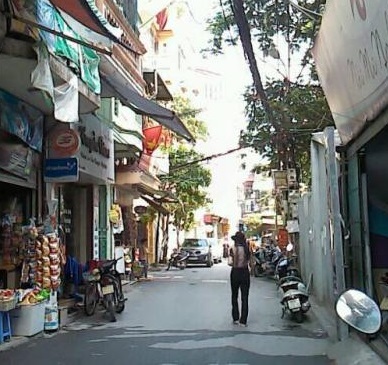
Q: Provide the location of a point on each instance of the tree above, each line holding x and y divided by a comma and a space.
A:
253, 223
281, 117
188, 182
301, 111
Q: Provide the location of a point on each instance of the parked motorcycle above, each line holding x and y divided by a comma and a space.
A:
266, 260
359, 311
103, 285
178, 259
286, 267
295, 297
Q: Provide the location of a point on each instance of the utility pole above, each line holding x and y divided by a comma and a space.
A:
335, 217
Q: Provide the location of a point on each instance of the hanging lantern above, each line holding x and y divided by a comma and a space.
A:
166, 138
151, 139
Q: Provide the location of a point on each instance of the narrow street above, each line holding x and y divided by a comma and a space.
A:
183, 317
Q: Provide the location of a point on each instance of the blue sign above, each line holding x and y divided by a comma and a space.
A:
61, 170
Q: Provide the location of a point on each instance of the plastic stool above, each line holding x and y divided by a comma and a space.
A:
5, 326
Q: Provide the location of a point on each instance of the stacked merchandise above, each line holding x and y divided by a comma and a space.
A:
6, 237
41, 271
41, 266
10, 241
30, 234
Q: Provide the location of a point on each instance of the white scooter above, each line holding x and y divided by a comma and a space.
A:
295, 297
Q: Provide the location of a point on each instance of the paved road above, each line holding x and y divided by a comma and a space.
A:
183, 317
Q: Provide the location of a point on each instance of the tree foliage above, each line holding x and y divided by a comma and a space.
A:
298, 111
189, 115
188, 182
253, 224
268, 21
298, 107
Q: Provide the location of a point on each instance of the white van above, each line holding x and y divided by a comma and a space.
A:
217, 249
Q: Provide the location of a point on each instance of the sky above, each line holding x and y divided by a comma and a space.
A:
224, 118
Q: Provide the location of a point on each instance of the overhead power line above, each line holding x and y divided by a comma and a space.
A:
207, 158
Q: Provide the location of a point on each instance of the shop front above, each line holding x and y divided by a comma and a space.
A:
351, 63
136, 189
79, 174
22, 281
21, 129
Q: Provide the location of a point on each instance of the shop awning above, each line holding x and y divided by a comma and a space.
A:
155, 205
161, 196
87, 14
116, 84
157, 86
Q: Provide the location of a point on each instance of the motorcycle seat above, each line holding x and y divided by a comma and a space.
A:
289, 294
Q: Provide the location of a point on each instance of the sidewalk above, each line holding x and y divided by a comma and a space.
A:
354, 350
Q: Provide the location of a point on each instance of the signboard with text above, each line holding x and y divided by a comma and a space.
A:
350, 54
90, 141
61, 170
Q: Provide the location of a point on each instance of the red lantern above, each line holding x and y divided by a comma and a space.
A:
165, 138
151, 139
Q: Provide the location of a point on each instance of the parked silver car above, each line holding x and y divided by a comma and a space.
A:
199, 250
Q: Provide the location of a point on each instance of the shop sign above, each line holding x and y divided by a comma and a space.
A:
65, 143
351, 54
16, 159
21, 120
280, 179
96, 157
96, 236
293, 226
61, 170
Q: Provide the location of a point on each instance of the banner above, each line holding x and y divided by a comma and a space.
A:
151, 138
16, 159
21, 120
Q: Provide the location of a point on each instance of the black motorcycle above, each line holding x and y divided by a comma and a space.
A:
178, 260
286, 267
103, 285
266, 260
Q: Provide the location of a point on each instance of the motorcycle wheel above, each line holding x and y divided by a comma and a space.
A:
90, 299
109, 304
182, 265
298, 316
119, 298
257, 271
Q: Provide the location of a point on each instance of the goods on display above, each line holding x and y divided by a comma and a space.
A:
7, 300
42, 264
11, 240
10, 298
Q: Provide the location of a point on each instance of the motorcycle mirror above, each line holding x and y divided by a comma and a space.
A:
290, 247
359, 311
